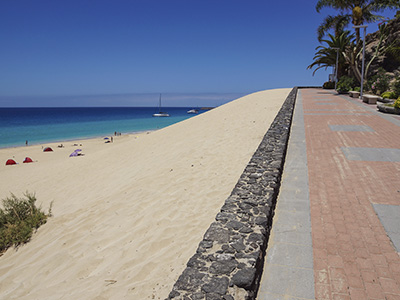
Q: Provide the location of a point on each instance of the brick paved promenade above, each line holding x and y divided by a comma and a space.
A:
336, 232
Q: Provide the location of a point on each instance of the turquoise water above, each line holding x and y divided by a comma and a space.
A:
41, 125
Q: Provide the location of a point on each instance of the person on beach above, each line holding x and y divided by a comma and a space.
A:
26, 143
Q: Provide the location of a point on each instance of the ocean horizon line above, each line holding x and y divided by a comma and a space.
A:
120, 100
99, 107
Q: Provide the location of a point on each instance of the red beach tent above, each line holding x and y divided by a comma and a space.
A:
10, 162
27, 160
47, 149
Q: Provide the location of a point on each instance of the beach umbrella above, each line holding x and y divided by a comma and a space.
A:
47, 149
73, 154
78, 150
27, 160
10, 162
106, 138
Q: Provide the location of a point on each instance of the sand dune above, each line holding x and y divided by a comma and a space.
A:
128, 215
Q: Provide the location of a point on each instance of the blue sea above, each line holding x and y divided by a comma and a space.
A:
42, 125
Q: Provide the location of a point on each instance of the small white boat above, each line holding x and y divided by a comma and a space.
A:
193, 111
160, 113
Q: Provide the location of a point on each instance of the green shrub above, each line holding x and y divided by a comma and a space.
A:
396, 86
357, 89
18, 218
397, 103
389, 95
329, 85
378, 83
345, 84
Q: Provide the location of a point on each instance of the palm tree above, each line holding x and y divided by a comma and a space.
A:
353, 53
358, 11
326, 55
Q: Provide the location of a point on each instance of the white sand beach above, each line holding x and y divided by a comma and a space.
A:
128, 215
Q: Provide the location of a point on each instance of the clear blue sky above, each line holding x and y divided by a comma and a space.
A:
52, 51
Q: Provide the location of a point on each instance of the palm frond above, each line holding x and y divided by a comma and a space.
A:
325, 55
369, 17
336, 4
380, 5
337, 23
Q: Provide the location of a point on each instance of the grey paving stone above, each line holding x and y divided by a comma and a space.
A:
391, 225
270, 296
293, 173
288, 282
371, 154
293, 237
289, 221
395, 238
387, 211
293, 194
389, 215
291, 255
293, 170
293, 205
351, 128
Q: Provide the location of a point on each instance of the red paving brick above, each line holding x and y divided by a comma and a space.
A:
353, 256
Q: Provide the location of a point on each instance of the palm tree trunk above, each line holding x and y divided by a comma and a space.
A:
352, 61
357, 19
357, 35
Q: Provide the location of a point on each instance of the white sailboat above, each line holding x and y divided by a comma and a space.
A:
160, 113
193, 111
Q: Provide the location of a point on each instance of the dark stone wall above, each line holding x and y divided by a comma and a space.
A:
229, 260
